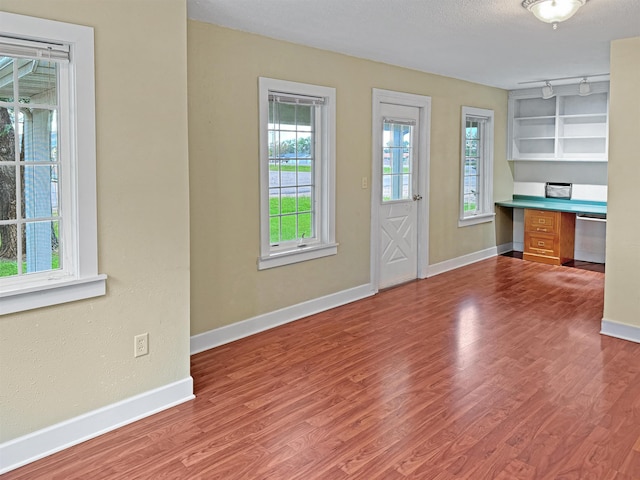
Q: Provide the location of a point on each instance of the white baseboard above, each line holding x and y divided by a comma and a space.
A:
585, 256
620, 330
236, 331
504, 248
452, 264
33, 446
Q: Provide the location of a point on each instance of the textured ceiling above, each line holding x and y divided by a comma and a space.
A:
492, 42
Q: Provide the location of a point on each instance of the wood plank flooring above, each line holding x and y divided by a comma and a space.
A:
491, 371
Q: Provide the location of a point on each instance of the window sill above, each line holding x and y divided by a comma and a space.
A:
295, 256
32, 296
476, 219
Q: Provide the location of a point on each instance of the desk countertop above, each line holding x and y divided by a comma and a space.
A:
556, 204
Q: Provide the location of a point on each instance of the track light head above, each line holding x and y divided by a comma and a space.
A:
585, 88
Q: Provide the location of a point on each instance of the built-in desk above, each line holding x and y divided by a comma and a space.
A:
550, 225
580, 207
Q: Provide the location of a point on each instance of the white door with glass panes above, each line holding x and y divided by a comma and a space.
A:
399, 196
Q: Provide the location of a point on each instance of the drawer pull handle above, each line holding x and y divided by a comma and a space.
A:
541, 229
541, 220
541, 244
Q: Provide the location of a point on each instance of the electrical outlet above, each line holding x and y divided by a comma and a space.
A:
365, 182
141, 345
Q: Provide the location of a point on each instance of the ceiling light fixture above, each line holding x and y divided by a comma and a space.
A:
547, 91
585, 88
553, 11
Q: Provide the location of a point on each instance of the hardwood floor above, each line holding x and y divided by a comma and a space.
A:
491, 371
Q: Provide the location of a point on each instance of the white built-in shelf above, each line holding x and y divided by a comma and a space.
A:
566, 127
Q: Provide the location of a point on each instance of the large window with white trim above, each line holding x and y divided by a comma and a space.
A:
297, 170
30, 205
48, 251
476, 189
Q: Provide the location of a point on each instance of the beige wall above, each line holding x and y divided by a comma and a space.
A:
223, 70
622, 281
59, 362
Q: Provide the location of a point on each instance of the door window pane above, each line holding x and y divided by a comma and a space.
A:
397, 164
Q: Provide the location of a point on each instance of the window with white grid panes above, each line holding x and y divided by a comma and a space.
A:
297, 165
476, 201
292, 134
31, 214
474, 136
397, 162
48, 221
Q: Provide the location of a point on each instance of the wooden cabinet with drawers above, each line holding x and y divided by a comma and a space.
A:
549, 236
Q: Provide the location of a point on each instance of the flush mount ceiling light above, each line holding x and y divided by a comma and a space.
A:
547, 91
553, 11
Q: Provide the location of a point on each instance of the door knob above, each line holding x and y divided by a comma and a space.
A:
417, 197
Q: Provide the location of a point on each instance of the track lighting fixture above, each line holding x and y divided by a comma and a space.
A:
547, 91
585, 88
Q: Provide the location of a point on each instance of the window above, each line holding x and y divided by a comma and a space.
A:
297, 172
48, 246
476, 202
397, 160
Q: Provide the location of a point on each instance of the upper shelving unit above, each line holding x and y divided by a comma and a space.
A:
567, 127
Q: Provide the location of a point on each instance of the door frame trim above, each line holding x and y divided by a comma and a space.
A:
423, 103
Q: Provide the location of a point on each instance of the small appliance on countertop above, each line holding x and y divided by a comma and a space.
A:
557, 190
